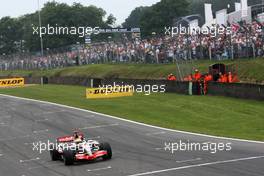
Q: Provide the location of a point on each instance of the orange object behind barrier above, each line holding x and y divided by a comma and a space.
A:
171, 77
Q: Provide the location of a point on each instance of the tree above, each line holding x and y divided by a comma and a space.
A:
162, 15
154, 18
111, 20
54, 14
10, 35
134, 18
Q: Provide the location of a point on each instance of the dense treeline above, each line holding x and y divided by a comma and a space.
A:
16, 34
149, 17
156, 17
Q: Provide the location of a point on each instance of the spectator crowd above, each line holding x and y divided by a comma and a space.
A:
246, 41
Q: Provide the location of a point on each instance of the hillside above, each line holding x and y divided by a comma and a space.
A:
249, 70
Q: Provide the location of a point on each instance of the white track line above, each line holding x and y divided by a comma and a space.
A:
40, 131
44, 166
155, 133
49, 112
29, 160
31, 143
130, 121
197, 165
190, 160
159, 148
1, 155
99, 169
99, 126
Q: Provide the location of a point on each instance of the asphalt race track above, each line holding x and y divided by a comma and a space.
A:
137, 149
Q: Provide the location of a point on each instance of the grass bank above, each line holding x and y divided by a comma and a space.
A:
249, 70
219, 116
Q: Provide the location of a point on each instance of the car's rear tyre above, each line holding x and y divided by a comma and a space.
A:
68, 157
106, 146
55, 155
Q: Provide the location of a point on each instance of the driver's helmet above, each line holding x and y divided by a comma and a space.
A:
78, 138
76, 134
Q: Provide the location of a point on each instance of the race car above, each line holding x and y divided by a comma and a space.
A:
75, 148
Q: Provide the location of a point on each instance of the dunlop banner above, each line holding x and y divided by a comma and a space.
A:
12, 82
93, 93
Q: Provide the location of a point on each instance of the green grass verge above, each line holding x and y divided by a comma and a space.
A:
219, 116
250, 70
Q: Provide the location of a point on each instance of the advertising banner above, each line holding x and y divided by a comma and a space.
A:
94, 93
12, 82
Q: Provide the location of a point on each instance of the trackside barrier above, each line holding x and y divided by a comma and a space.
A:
238, 90
12, 82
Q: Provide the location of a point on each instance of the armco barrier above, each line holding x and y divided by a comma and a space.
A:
171, 86
237, 90
32, 80
69, 80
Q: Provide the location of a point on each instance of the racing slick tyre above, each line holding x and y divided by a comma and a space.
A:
68, 157
55, 155
106, 146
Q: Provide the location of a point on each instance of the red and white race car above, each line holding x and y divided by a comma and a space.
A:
75, 148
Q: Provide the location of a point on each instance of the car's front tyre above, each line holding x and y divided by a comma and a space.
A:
55, 155
106, 146
68, 157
